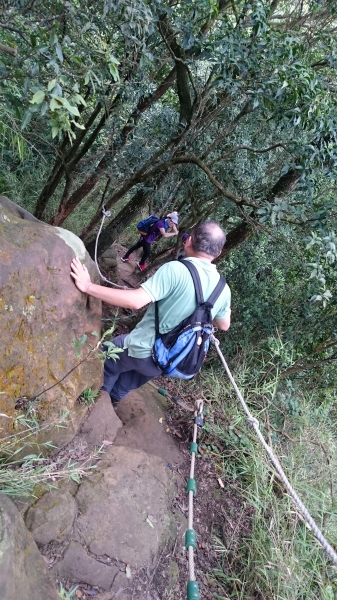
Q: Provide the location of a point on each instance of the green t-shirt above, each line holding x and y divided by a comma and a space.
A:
173, 286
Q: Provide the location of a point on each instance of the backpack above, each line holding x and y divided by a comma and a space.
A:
144, 225
181, 352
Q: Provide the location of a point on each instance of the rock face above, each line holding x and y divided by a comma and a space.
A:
131, 487
123, 518
23, 573
109, 258
123, 508
108, 261
51, 518
42, 314
100, 425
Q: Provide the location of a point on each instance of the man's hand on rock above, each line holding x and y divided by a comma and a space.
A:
80, 275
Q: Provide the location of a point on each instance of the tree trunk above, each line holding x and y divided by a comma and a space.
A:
145, 103
142, 175
66, 208
235, 238
285, 184
118, 224
183, 83
60, 165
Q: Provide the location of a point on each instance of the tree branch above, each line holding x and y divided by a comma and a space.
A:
222, 5
183, 72
318, 363
8, 50
142, 177
256, 150
247, 108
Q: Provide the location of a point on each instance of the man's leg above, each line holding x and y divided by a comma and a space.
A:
132, 380
146, 252
127, 373
113, 368
135, 246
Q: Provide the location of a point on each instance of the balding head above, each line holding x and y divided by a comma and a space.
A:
208, 238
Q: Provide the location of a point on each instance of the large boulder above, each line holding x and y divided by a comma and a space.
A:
42, 318
118, 520
123, 517
23, 573
51, 518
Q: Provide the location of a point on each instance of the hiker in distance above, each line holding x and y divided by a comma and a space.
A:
150, 230
174, 300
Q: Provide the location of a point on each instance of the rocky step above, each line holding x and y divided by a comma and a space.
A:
118, 519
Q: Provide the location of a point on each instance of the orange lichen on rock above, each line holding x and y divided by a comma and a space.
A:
42, 314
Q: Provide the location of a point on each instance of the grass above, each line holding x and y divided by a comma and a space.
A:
88, 396
21, 470
67, 595
269, 551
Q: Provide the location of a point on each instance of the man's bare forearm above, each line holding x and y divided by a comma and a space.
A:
134, 299
124, 298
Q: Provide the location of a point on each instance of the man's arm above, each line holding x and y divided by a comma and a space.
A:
166, 234
134, 299
222, 324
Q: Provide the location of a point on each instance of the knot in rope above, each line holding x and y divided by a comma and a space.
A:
253, 422
106, 213
199, 407
215, 340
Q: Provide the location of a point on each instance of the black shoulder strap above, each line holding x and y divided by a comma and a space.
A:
217, 291
196, 280
198, 289
156, 318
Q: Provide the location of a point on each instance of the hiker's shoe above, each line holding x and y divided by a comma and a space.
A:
125, 259
141, 267
114, 402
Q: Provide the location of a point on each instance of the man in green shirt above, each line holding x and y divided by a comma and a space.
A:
173, 288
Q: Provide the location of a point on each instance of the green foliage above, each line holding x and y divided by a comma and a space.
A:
21, 470
277, 293
29, 419
236, 100
250, 57
264, 545
247, 52
323, 251
110, 350
67, 594
78, 343
89, 396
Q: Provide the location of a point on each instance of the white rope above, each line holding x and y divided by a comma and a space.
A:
191, 561
253, 422
198, 412
106, 213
